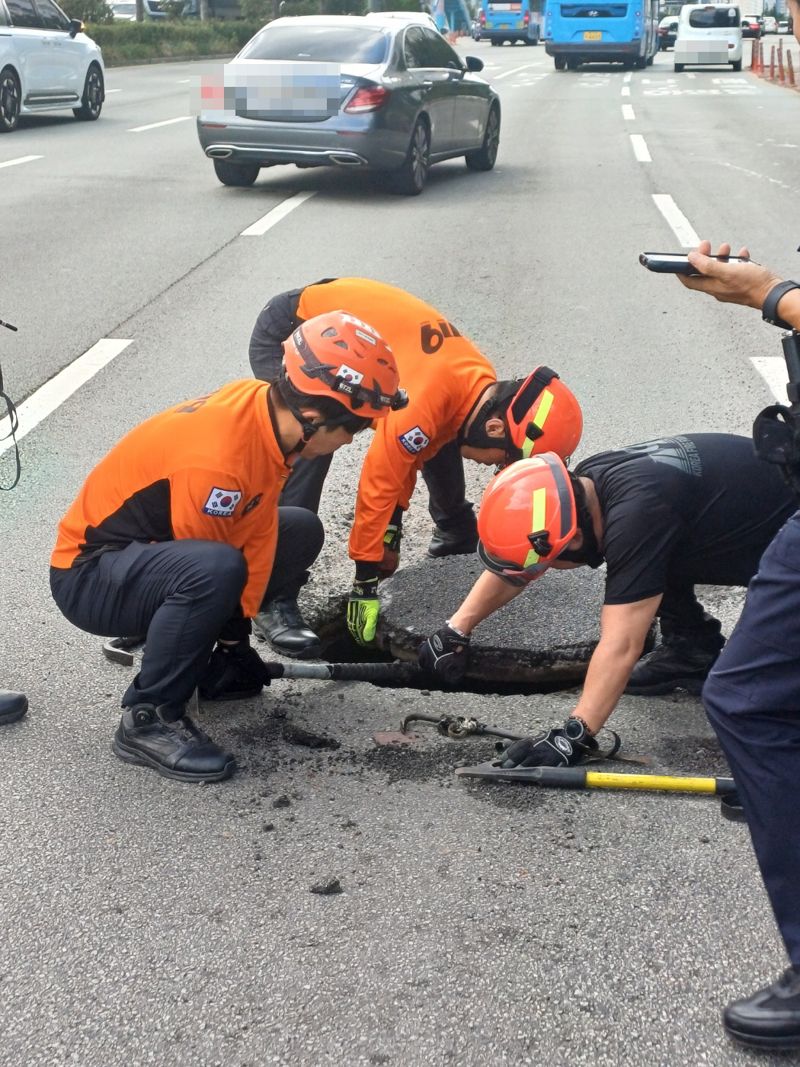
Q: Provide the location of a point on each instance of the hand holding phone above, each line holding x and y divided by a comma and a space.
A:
675, 263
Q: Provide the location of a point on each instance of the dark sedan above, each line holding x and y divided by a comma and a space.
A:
348, 91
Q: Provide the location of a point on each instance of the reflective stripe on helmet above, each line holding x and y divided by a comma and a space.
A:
539, 420
538, 522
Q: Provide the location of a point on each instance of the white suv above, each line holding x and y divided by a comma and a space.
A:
46, 63
709, 33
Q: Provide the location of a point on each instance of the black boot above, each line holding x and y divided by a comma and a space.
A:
176, 749
461, 541
282, 626
771, 1017
677, 665
12, 705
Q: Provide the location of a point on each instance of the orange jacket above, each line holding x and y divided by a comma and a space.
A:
209, 469
443, 374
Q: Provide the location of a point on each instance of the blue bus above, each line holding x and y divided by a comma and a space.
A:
609, 31
511, 20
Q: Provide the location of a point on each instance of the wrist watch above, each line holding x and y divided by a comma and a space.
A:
769, 312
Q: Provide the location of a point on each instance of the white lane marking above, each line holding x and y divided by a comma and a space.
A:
627, 113
773, 370
627, 77
625, 90
113, 91
52, 394
639, 146
516, 70
20, 159
280, 212
155, 125
690, 75
676, 220
184, 81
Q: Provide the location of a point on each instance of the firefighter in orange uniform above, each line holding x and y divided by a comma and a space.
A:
177, 533
457, 408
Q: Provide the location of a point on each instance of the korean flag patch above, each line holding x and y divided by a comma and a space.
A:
222, 503
349, 375
414, 440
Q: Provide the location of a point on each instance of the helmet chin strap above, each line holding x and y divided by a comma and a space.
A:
476, 436
589, 553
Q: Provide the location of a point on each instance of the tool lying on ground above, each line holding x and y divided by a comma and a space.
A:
583, 778
457, 726
121, 650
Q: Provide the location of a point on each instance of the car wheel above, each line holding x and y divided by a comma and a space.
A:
241, 175
560, 62
640, 62
410, 178
484, 157
678, 68
573, 64
92, 99
9, 100
649, 60
737, 65
496, 43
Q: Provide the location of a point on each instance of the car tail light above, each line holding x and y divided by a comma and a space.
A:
368, 99
526, 18
483, 18
211, 91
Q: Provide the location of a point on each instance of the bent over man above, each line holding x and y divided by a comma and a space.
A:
457, 408
664, 516
177, 533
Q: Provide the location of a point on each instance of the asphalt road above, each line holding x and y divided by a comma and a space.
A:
142, 922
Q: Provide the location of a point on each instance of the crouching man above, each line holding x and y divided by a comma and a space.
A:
176, 533
664, 515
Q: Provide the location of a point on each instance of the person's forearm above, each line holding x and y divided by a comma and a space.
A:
488, 594
609, 670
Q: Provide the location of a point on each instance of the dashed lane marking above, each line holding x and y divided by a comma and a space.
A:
625, 90
640, 149
52, 394
155, 125
628, 113
18, 160
676, 220
514, 70
773, 370
272, 218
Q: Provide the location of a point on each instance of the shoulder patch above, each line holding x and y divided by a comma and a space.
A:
221, 503
414, 440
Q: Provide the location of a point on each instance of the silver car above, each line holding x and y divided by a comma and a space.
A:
348, 91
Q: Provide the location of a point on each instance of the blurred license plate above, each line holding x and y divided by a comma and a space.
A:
592, 35
285, 92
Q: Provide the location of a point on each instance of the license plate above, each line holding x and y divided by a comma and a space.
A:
504, 25
592, 35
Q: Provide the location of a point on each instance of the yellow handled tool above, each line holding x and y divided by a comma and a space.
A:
583, 778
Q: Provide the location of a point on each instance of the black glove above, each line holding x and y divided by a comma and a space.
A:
234, 672
563, 746
445, 654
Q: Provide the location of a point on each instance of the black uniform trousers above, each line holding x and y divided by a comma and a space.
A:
752, 698
182, 595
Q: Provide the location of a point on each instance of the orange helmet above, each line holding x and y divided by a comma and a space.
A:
543, 416
336, 355
527, 517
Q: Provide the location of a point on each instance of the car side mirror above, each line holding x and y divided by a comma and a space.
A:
75, 27
474, 65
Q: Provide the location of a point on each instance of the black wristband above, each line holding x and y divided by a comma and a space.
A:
769, 312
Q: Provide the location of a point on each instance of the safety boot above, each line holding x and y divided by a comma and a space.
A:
460, 541
174, 747
771, 1017
675, 665
12, 705
282, 626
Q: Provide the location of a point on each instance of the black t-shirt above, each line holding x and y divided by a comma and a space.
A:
696, 508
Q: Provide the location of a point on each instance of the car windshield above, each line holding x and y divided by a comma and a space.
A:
124, 9
320, 44
716, 18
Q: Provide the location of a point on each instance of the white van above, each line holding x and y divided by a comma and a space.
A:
709, 33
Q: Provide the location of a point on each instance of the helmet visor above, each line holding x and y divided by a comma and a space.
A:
510, 571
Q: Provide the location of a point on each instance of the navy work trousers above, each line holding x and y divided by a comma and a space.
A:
182, 595
752, 698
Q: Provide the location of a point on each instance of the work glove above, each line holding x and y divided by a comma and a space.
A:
391, 550
445, 654
233, 672
363, 609
563, 746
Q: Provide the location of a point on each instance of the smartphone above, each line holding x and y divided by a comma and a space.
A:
675, 263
